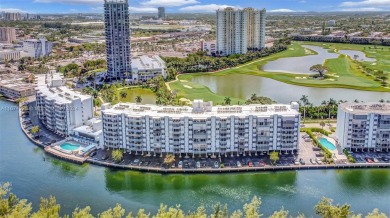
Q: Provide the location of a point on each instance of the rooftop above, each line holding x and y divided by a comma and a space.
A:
364, 108
147, 63
201, 109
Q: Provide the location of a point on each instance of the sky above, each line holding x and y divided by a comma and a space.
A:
192, 6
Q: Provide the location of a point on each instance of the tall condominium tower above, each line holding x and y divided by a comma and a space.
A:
240, 30
117, 28
161, 12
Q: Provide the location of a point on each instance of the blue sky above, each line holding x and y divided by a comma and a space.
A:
84, 6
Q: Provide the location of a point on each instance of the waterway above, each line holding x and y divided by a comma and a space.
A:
243, 86
33, 174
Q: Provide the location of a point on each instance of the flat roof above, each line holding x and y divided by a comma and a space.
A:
147, 63
366, 108
186, 111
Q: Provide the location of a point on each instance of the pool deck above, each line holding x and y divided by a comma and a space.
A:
68, 157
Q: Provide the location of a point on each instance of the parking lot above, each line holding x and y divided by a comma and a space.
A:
371, 157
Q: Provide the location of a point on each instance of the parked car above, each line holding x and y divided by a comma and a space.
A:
296, 162
216, 165
180, 165
239, 164
313, 161
308, 140
93, 154
319, 162
376, 160
197, 164
261, 163
369, 160
136, 162
302, 161
385, 159
250, 164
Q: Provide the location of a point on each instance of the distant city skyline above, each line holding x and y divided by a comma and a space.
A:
191, 6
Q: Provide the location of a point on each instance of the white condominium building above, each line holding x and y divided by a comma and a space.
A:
145, 68
202, 129
364, 126
209, 47
239, 30
37, 47
59, 108
117, 29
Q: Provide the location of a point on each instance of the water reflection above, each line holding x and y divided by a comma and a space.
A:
375, 180
66, 169
300, 65
243, 86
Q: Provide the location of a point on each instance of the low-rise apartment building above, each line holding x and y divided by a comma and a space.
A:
209, 47
364, 126
144, 68
202, 129
59, 108
14, 86
8, 54
37, 47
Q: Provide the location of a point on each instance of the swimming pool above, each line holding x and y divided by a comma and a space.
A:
327, 144
69, 147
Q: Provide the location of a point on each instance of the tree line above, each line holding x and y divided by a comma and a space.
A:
342, 39
200, 62
12, 206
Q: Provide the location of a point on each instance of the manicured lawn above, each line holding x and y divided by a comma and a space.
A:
189, 90
343, 72
148, 97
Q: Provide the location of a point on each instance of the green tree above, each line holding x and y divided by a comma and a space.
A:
252, 209
35, 130
117, 155
322, 124
82, 213
320, 69
165, 212
280, 214
116, 212
138, 99
274, 156
169, 159
326, 209
376, 214
227, 100
48, 208
123, 94
10, 205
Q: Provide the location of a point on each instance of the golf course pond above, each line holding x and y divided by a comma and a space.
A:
243, 86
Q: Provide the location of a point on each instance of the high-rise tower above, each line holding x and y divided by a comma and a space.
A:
240, 30
117, 29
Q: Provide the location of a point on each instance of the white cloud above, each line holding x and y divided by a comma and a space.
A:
12, 10
169, 3
367, 3
79, 2
362, 9
142, 10
205, 8
285, 10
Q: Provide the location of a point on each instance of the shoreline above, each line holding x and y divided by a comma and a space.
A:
68, 158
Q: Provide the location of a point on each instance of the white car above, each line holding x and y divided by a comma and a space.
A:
319, 162
180, 165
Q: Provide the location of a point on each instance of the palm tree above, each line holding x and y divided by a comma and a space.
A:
305, 101
123, 94
227, 100
138, 99
253, 97
127, 78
